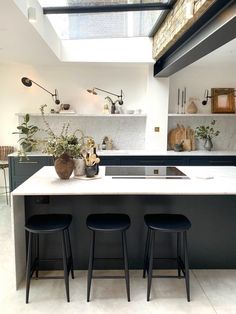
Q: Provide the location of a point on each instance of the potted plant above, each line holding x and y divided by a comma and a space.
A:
207, 133
64, 147
27, 132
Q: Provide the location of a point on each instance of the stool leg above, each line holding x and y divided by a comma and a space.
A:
152, 243
90, 268
178, 252
5, 183
125, 253
66, 277
186, 263
28, 266
145, 261
37, 256
70, 255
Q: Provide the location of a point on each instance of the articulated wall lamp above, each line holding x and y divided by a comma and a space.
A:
119, 100
28, 82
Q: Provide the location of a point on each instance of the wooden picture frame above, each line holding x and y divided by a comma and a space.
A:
222, 100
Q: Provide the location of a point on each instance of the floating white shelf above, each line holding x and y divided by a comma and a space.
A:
84, 115
201, 114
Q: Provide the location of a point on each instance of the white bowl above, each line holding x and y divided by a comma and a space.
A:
130, 111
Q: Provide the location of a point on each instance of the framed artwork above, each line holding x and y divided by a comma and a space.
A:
222, 100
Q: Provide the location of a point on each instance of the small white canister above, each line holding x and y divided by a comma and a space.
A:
79, 167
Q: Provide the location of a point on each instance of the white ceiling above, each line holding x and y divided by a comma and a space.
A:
20, 42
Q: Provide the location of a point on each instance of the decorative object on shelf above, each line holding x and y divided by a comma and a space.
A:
28, 82
183, 136
183, 101
207, 133
113, 103
192, 107
178, 147
65, 106
65, 147
222, 100
27, 140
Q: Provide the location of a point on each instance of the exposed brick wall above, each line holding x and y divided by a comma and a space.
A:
175, 24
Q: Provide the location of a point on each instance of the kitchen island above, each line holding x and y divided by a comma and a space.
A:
207, 195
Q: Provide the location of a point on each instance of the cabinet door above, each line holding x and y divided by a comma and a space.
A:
21, 169
109, 160
153, 160
212, 161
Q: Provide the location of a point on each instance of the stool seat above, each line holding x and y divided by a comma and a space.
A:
108, 222
48, 223
167, 222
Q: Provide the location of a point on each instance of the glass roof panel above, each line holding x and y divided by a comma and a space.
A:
102, 25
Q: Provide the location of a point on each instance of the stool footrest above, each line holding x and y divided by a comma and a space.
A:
167, 276
48, 277
108, 277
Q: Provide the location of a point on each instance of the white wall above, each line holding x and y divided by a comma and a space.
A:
196, 79
141, 91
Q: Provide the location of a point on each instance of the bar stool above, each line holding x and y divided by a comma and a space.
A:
173, 223
108, 223
48, 224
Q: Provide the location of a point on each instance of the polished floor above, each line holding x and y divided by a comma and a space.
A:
212, 291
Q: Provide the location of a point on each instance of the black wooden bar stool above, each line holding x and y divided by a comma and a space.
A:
48, 224
108, 223
178, 224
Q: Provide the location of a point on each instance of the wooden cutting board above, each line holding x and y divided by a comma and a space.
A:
180, 134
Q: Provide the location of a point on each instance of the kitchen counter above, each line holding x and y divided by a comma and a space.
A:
142, 152
208, 198
203, 181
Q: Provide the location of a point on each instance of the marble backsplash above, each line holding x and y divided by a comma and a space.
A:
126, 132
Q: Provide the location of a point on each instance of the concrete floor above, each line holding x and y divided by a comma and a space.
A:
212, 291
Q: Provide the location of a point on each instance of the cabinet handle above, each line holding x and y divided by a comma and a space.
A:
28, 162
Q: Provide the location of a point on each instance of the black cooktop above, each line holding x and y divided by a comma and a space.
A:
144, 172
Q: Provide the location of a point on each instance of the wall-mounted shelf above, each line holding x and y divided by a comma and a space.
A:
201, 114
84, 115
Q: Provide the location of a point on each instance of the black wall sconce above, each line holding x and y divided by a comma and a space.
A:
206, 96
120, 97
113, 103
28, 82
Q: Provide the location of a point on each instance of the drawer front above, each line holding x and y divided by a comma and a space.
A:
28, 166
153, 161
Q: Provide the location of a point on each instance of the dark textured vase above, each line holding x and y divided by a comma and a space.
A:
64, 166
91, 171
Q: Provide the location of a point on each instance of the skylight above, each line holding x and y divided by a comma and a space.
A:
102, 25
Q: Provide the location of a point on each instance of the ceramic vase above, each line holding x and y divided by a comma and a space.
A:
208, 144
91, 171
64, 166
79, 167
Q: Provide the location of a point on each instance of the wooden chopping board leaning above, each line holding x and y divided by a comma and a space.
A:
183, 135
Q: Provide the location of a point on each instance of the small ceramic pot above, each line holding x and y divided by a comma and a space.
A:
79, 167
91, 171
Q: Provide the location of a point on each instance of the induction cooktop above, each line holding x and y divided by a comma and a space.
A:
144, 172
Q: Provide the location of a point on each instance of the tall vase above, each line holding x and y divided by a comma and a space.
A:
208, 144
64, 166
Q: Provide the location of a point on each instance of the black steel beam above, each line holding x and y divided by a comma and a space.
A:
214, 29
161, 19
107, 8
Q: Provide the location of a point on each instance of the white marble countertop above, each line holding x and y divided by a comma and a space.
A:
148, 153
204, 180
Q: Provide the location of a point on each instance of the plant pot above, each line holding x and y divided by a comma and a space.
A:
91, 171
208, 144
79, 166
64, 166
